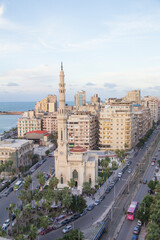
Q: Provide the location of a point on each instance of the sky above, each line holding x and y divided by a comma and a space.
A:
107, 47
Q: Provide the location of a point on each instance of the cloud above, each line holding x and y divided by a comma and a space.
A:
90, 84
1, 10
110, 85
12, 84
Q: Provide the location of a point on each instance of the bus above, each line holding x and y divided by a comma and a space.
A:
18, 184
132, 210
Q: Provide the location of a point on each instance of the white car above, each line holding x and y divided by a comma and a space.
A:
5, 224
67, 229
129, 170
97, 202
120, 174
139, 223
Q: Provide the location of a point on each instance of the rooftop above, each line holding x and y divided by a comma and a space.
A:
78, 149
13, 143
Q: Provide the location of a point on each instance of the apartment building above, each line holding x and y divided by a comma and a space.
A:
48, 104
49, 123
80, 99
152, 103
95, 99
26, 124
82, 130
133, 96
117, 126
17, 150
143, 120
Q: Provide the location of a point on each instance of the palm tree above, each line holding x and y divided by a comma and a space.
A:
17, 213
10, 212
33, 232
44, 221
71, 183
55, 182
41, 181
19, 237
2, 232
66, 198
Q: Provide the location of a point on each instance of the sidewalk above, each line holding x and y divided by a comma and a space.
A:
90, 200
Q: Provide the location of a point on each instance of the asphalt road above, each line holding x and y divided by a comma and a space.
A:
83, 223
127, 228
13, 196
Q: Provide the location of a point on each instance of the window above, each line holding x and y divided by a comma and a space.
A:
61, 179
75, 174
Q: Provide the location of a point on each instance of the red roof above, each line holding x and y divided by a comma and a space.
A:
38, 131
46, 135
78, 149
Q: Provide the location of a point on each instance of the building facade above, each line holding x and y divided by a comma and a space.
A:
117, 127
17, 150
133, 96
80, 99
28, 124
48, 104
82, 130
152, 103
49, 123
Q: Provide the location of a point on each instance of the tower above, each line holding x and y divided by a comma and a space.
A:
62, 120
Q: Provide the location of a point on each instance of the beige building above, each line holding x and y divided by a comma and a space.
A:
95, 99
17, 150
133, 96
117, 127
48, 104
28, 124
82, 130
152, 103
80, 99
49, 123
76, 163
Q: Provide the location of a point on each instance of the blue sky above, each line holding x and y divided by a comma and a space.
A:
107, 47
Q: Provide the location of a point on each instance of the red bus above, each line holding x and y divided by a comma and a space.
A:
132, 210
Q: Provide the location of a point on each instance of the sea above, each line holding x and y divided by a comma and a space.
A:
9, 121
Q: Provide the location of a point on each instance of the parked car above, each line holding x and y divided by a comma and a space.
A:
83, 213
136, 230
154, 178
60, 217
108, 190
5, 224
90, 207
139, 223
67, 229
75, 216
5, 194
120, 174
66, 221
97, 202
46, 230
102, 198
150, 191
32, 170
135, 237
129, 170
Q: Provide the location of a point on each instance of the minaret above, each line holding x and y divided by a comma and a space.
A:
62, 122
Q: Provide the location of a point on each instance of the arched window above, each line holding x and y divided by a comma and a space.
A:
61, 179
75, 174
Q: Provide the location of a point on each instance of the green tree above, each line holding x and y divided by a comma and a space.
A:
19, 237
153, 232
2, 232
71, 183
66, 198
78, 204
17, 213
152, 184
86, 187
41, 181
47, 152
10, 212
44, 221
143, 212
32, 233
73, 235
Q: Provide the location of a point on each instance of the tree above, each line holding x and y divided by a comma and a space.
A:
44, 221
53, 138
152, 184
2, 232
55, 182
86, 187
143, 212
41, 181
33, 232
10, 212
114, 165
47, 152
73, 235
71, 183
19, 237
66, 198
153, 232
17, 213
78, 204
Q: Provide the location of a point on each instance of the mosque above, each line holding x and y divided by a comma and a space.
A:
77, 163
